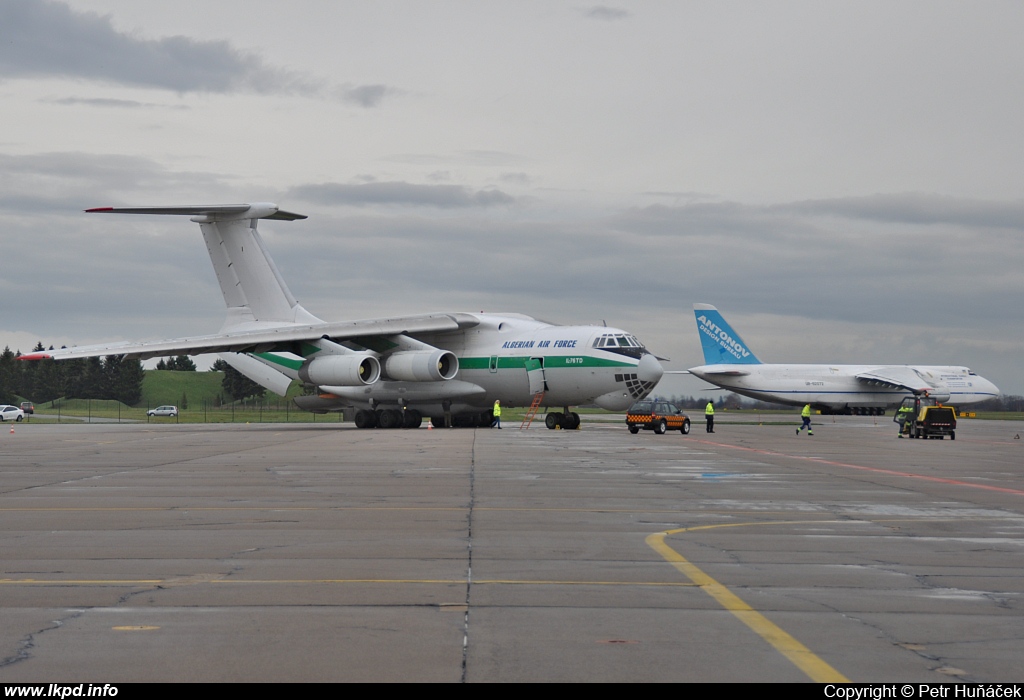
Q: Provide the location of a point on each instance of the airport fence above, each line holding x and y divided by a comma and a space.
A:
246, 411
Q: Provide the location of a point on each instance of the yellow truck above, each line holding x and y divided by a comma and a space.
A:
923, 417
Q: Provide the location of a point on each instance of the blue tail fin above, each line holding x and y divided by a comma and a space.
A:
722, 345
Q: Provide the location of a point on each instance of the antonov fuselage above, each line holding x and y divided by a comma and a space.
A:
866, 389
393, 371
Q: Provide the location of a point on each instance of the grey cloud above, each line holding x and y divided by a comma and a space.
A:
366, 96
113, 103
49, 183
606, 13
469, 157
40, 38
516, 178
402, 193
915, 208
808, 261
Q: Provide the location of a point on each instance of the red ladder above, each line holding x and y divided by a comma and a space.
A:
530, 414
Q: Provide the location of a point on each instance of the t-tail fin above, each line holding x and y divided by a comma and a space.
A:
721, 344
254, 291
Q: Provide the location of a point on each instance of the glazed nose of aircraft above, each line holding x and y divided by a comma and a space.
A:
649, 369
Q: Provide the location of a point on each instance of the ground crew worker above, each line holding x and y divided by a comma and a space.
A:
446, 405
497, 414
806, 415
709, 415
904, 415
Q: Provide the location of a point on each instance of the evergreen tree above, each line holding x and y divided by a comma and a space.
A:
123, 379
9, 376
182, 363
235, 384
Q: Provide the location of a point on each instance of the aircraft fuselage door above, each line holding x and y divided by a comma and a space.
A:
493, 364
535, 373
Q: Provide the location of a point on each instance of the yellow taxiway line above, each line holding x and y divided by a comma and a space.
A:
803, 658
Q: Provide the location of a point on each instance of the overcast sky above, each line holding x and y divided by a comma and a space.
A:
844, 180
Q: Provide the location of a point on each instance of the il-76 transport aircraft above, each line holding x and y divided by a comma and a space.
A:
860, 389
394, 371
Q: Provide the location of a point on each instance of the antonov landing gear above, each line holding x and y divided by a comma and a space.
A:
566, 421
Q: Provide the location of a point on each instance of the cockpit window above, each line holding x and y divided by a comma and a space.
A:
613, 340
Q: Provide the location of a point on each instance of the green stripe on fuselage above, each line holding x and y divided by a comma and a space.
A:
550, 362
294, 365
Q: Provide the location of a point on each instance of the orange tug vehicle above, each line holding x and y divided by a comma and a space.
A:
659, 416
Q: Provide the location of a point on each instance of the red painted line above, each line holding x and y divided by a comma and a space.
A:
96, 209
876, 470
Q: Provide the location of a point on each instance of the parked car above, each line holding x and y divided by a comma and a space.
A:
659, 416
171, 411
28, 407
11, 413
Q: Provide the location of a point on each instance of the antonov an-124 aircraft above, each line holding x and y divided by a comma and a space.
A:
393, 371
859, 389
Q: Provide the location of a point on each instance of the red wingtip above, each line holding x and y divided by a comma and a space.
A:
35, 356
96, 209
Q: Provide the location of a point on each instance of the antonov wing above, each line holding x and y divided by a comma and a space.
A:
280, 339
899, 377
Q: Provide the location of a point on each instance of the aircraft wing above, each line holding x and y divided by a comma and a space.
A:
899, 377
273, 339
720, 370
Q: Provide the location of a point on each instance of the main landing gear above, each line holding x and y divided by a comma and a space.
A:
389, 418
566, 420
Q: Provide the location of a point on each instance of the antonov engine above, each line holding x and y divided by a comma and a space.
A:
421, 366
354, 369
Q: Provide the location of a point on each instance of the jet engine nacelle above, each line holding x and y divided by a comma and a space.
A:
421, 366
354, 369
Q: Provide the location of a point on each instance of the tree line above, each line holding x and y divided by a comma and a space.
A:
110, 377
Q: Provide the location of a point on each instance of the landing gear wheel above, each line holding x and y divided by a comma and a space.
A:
413, 419
389, 419
685, 430
570, 421
365, 419
553, 420
660, 427
437, 421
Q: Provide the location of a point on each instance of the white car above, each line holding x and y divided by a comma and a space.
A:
11, 413
171, 411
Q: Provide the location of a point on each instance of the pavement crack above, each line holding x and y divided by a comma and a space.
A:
28, 642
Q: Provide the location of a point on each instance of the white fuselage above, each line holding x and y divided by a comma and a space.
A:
511, 358
837, 386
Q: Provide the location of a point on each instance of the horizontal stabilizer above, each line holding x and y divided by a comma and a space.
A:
213, 212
